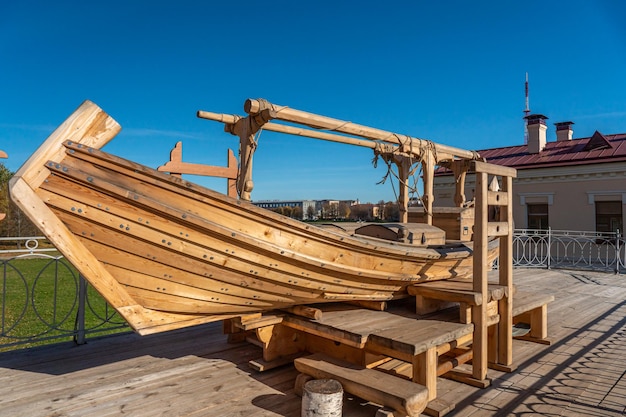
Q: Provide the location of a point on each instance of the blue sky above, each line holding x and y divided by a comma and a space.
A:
449, 71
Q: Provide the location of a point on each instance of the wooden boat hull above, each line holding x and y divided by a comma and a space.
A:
167, 253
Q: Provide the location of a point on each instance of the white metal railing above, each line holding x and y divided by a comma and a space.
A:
43, 298
24, 245
569, 249
53, 301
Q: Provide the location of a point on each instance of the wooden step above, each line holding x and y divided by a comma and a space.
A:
532, 308
406, 397
527, 301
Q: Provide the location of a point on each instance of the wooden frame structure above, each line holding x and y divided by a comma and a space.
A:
166, 253
176, 166
405, 151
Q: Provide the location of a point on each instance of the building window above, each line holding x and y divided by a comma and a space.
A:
609, 216
537, 216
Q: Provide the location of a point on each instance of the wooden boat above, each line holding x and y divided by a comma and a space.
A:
167, 253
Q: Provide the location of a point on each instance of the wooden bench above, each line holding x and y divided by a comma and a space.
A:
420, 343
436, 295
532, 308
403, 396
369, 338
527, 307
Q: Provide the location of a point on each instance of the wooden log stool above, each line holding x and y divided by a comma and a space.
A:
407, 398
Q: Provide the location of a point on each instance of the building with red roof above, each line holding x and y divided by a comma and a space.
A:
568, 184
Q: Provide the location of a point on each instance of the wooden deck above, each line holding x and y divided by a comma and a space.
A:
195, 372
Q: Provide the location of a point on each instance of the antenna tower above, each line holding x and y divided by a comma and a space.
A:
526, 112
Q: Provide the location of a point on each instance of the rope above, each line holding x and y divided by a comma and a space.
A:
386, 152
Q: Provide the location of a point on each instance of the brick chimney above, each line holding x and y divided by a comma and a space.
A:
564, 131
536, 126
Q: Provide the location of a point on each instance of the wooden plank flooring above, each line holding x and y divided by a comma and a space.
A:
195, 372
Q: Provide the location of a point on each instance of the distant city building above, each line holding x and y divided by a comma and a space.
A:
324, 209
306, 209
568, 184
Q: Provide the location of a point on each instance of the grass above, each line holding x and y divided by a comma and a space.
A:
39, 303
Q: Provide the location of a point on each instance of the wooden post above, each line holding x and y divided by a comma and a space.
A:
459, 170
404, 170
502, 228
322, 398
428, 165
505, 266
479, 312
246, 128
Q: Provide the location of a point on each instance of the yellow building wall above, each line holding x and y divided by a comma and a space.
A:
570, 192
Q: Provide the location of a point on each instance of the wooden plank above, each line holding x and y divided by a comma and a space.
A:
88, 125
410, 339
497, 198
524, 301
344, 324
263, 321
445, 294
497, 229
371, 385
69, 245
494, 169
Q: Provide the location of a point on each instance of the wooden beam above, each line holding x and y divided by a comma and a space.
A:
493, 169
291, 130
176, 166
256, 106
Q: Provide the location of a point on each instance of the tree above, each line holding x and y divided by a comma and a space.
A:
326, 211
296, 213
15, 224
343, 210
362, 212
392, 212
310, 212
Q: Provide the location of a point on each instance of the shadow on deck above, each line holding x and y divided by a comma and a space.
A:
195, 372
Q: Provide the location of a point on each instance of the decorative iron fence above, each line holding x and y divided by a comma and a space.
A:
569, 249
43, 298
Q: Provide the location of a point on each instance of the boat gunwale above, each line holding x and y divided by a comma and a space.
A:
274, 220
251, 242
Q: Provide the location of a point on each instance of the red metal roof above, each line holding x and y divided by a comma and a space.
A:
570, 152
